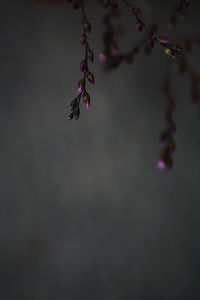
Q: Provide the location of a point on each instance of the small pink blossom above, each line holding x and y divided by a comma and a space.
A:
102, 57
161, 164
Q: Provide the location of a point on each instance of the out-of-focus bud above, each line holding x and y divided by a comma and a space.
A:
137, 12
180, 67
171, 104
182, 15
164, 135
83, 39
172, 127
177, 48
87, 26
150, 43
102, 57
172, 22
163, 40
139, 25
161, 164
171, 145
150, 32
171, 53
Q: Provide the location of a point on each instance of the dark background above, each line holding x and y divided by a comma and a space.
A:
84, 212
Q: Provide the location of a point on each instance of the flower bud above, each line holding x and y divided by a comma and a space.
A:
151, 43
164, 135
83, 65
171, 146
172, 22
136, 12
83, 39
86, 99
90, 77
87, 26
177, 48
91, 55
150, 32
171, 53
161, 164
73, 104
163, 40
139, 26
81, 86
102, 57
172, 127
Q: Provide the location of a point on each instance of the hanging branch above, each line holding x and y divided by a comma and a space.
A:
166, 155
84, 67
172, 50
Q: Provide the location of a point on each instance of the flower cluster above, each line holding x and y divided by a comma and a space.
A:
179, 14
172, 50
84, 68
165, 158
110, 56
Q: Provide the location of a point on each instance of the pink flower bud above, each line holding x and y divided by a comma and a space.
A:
102, 57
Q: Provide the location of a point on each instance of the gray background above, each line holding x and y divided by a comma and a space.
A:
84, 212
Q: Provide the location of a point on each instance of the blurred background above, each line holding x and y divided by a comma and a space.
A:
84, 212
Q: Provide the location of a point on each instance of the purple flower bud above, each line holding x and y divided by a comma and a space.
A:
83, 66
115, 51
172, 127
81, 86
150, 32
91, 55
151, 43
79, 90
164, 135
139, 26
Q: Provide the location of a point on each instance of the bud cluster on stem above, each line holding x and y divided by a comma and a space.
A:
84, 68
